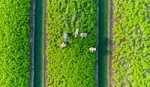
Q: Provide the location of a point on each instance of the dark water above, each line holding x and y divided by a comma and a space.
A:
103, 16
38, 43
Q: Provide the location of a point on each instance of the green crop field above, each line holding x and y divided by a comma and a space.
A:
131, 41
73, 66
14, 43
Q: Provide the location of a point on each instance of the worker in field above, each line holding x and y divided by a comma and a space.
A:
76, 32
92, 49
66, 37
63, 45
83, 35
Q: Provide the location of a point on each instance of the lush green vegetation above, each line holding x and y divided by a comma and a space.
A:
14, 43
131, 39
72, 66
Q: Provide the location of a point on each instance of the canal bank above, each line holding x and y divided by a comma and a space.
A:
38, 43
32, 31
110, 25
44, 63
103, 39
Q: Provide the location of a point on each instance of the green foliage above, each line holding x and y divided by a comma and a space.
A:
131, 42
72, 66
14, 43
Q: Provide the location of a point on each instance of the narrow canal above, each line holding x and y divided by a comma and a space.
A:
103, 19
38, 43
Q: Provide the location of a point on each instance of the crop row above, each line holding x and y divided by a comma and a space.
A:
72, 66
131, 43
14, 43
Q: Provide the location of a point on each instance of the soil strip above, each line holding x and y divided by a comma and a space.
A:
110, 45
32, 30
44, 43
97, 44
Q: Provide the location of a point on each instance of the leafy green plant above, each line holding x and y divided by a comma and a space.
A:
14, 43
131, 43
72, 66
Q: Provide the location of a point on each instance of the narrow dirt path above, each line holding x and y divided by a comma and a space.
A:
97, 43
110, 45
32, 30
44, 43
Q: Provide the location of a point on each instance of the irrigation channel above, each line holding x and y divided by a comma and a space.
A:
102, 51
38, 43
102, 38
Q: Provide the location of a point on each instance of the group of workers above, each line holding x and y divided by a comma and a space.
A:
83, 35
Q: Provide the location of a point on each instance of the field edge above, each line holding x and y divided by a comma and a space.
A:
32, 31
109, 58
44, 69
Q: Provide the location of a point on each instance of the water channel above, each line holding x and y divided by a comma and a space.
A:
38, 43
103, 20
